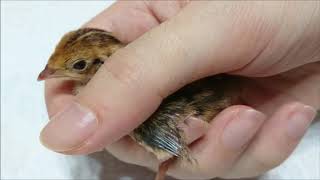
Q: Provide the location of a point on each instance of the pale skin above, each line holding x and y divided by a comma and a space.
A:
275, 44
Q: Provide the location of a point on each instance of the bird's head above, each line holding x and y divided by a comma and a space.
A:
79, 54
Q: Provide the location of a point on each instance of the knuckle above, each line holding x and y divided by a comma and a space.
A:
123, 71
133, 69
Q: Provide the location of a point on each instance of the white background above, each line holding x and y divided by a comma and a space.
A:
29, 31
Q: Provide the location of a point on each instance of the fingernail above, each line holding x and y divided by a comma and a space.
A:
242, 128
300, 121
69, 129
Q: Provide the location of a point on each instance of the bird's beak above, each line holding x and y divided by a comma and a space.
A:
46, 73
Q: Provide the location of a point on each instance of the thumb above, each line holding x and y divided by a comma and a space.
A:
200, 41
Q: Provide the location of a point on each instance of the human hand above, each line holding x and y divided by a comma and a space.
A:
221, 37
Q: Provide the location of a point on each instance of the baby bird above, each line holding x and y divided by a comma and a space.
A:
80, 53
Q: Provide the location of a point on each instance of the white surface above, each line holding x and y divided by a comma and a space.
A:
29, 31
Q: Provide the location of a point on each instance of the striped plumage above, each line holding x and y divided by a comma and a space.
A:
79, 55
202, 99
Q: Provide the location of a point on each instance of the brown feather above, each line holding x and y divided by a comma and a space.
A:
160, 133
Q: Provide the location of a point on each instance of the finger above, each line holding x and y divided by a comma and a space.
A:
193, 129
144, 15
227, 138
113, 19
57, 95
275, 142
130, 152
129, 87
299, 84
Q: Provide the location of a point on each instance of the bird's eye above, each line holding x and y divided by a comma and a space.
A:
79, 65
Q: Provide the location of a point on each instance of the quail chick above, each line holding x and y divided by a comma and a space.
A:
80, 53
